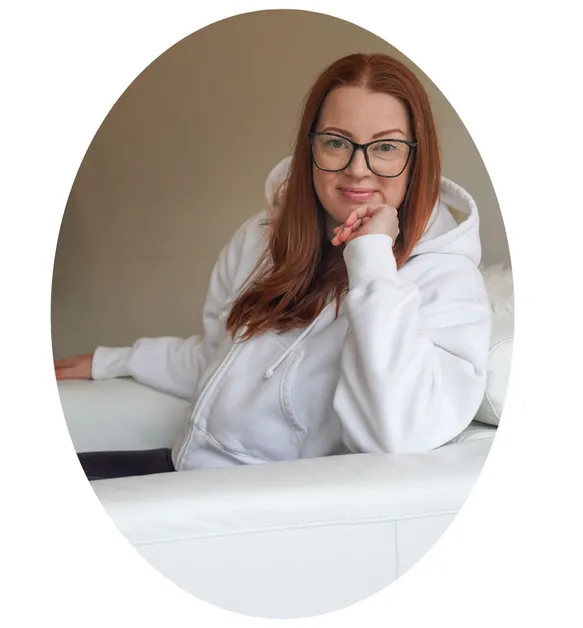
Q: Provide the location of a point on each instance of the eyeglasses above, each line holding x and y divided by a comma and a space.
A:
385, 158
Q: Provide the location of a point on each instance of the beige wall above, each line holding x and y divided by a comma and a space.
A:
180, 162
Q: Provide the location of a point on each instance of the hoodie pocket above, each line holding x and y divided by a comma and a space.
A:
285, 394
251, 414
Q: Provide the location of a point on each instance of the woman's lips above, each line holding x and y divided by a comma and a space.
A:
357, 194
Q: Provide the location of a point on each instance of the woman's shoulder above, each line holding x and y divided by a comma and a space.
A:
251, 235
244, 250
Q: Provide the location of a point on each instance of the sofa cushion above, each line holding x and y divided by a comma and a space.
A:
498, 280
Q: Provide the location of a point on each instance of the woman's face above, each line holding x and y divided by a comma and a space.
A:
361, 116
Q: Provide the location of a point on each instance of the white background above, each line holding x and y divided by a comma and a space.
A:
511, 71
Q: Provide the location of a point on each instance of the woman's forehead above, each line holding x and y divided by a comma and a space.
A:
361, 112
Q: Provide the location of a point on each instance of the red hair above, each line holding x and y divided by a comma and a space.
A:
300, 271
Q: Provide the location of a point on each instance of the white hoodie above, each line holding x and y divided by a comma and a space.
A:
401, 370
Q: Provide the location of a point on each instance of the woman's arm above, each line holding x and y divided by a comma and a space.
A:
413, 367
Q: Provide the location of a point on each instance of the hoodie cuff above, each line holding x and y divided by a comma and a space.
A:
110, 362
370, 257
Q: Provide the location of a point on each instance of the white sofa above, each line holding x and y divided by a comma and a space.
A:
289, 539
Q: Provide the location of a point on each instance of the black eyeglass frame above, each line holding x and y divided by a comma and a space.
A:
364, 148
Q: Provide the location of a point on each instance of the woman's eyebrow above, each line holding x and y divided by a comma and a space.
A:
386, 133
349, 134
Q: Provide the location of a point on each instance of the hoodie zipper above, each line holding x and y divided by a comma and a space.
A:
227, 360
204, 394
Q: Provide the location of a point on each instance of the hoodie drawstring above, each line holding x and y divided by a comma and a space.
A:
271, 370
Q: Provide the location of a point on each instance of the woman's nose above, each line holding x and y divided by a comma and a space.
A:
358, 166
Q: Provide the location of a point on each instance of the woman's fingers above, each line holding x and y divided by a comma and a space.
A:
61, 374
343, 232
355, 221
70, 373
64, 373
346, 231
361, 212
78, 367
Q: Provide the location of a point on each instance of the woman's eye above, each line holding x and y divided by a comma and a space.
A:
386, 148
335, 143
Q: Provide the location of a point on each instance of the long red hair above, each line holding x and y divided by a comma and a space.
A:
300, 271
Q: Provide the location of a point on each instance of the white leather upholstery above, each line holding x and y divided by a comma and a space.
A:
283, 540
118, 414
499, 284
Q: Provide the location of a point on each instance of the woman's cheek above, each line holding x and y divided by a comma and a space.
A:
326, 185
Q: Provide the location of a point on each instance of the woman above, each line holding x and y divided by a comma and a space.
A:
350, 317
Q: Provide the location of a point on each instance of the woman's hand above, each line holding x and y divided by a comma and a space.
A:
368, 219
78, 367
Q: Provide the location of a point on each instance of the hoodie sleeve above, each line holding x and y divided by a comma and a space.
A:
413, 367
174, 365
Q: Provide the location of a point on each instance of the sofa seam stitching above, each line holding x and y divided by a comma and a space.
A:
296, 526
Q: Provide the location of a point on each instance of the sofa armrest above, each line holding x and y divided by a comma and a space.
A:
119, 414
291, 539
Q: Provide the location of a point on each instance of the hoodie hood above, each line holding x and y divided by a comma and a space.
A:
454, 226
